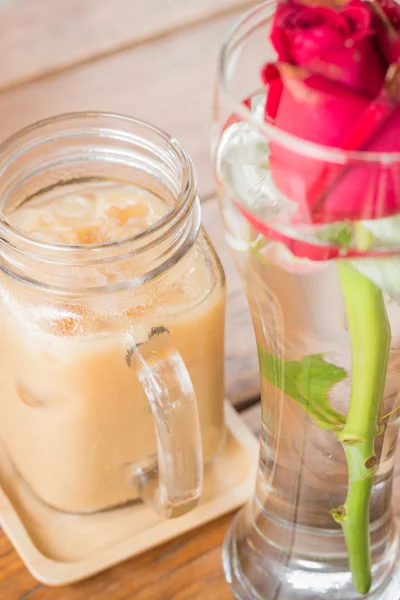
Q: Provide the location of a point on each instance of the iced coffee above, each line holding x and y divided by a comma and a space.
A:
75, 420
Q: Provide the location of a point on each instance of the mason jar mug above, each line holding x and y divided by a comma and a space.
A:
111, 316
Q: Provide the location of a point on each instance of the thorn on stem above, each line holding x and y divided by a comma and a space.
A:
339, 514
371, 463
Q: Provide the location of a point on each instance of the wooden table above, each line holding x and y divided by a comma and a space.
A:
156, 60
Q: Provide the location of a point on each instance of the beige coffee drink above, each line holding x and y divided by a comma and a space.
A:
75, 420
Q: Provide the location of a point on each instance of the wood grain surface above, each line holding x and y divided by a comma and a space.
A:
168, 82
43, 37
155, 59
188, 568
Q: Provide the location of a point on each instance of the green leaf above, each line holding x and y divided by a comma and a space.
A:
340, 233
384, 272
308, 382
386, 231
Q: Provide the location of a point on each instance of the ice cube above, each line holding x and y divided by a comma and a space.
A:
90, 234
75, 207
29, 398
129, 213
45, 220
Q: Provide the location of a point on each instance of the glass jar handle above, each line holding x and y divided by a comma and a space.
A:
173, 487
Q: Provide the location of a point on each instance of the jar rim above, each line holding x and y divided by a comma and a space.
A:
251, 20
141, 146
182, 206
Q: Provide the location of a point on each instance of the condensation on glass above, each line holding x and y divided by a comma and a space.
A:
111, 317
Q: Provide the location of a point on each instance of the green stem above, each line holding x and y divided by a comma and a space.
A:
370, 344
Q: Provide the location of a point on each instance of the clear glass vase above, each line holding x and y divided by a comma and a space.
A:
324, 296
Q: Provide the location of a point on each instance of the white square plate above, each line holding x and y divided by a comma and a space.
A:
60, 549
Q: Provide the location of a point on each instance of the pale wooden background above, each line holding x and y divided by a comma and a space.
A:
156, 60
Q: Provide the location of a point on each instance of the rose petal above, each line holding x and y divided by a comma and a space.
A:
339, 44
316, 109
331, 192
369, 190
278, 35
387, 23
273, 98
358, 66
359, 19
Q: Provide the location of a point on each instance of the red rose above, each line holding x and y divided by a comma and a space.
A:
339, 45
388, 28
328, 87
